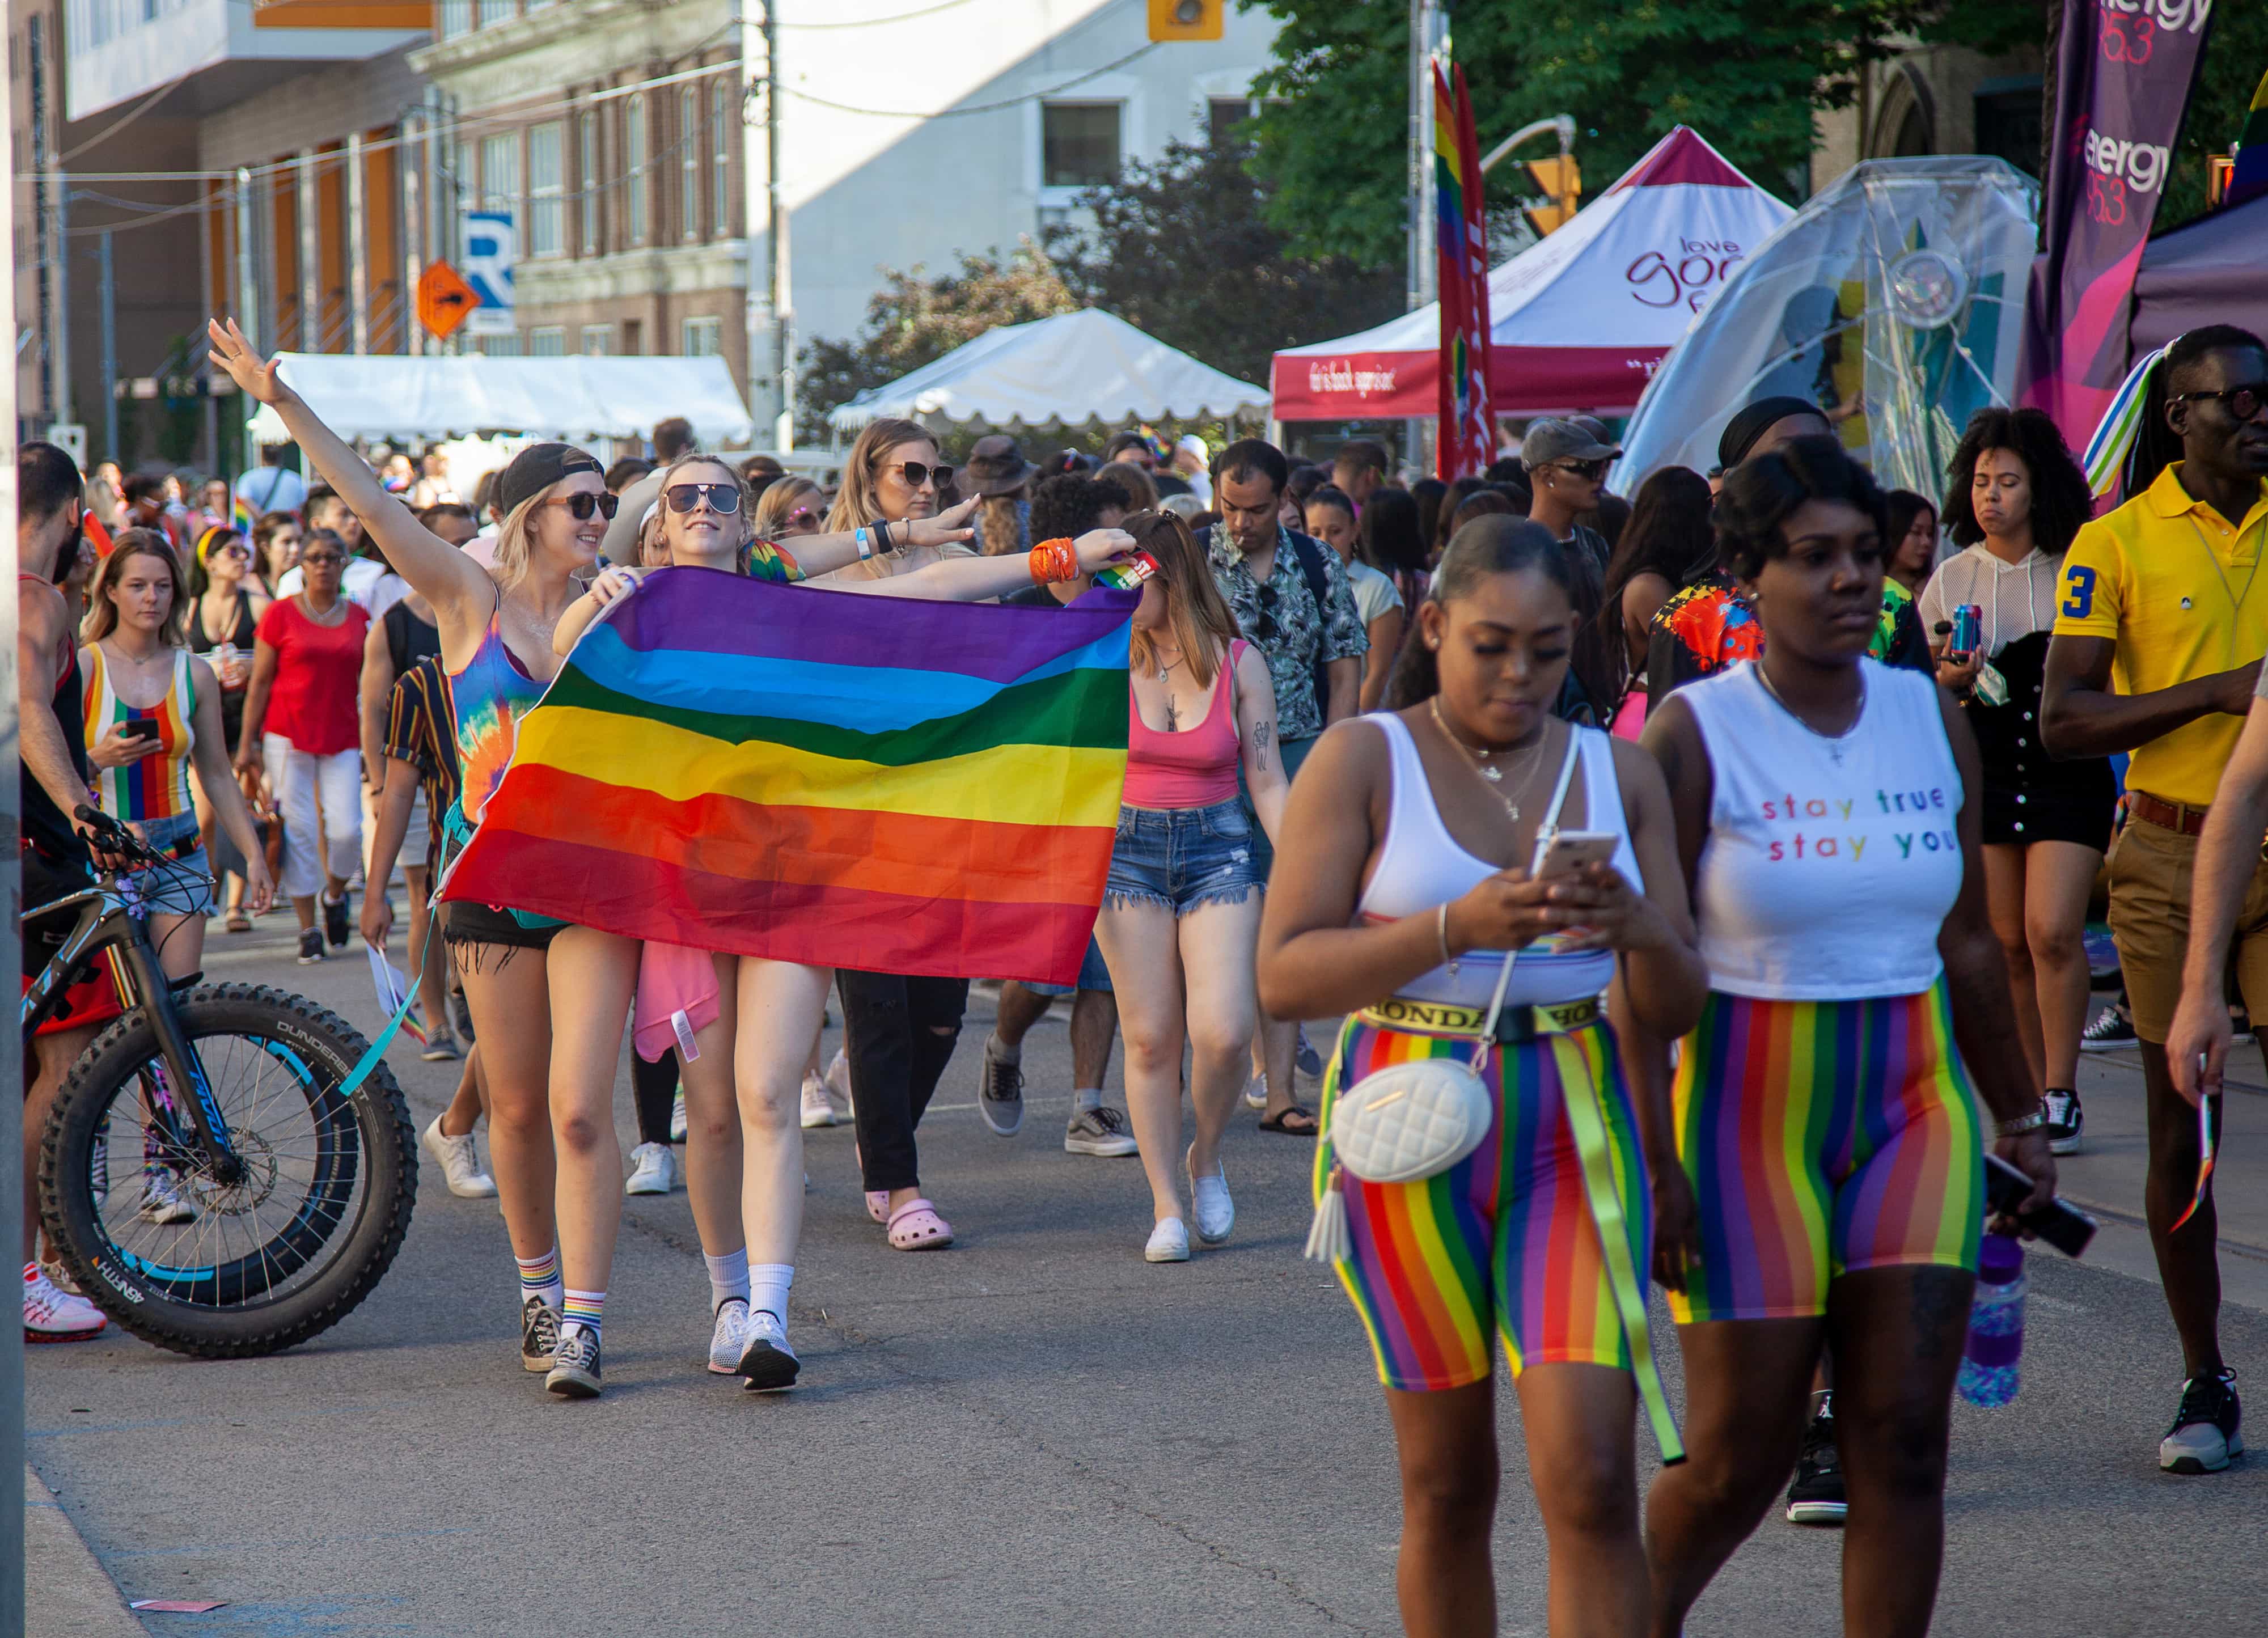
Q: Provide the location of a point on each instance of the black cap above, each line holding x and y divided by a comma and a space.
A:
1753, 421
535, 470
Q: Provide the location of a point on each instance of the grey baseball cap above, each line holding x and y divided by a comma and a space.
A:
1551, 439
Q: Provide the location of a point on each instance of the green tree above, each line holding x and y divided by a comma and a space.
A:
914, 320
2236, 56
1181, 248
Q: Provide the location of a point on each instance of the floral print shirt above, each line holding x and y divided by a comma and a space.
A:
1282, 620
1709, 625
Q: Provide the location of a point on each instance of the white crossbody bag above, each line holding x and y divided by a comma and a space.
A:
1418, 1119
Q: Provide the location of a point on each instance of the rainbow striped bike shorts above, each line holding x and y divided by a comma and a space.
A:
1822, 1137
1505, 1242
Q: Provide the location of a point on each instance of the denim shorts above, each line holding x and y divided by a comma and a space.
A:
185, 885
1092, 974
1182, 859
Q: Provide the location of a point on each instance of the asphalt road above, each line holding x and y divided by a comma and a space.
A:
1034, 1433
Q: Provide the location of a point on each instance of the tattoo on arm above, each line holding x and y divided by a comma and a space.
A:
1260, 732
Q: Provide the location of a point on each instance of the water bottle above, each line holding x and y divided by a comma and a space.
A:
1996, 1323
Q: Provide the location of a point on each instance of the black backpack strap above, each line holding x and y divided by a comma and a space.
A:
1309, 554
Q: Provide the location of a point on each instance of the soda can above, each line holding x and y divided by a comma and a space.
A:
1968, 629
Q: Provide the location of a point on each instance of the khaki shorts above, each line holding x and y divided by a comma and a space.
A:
2150, 872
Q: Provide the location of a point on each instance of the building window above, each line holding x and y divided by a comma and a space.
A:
456, 17
634, 166
689, 163
1223, 115
500, 172
598, 340
721, 105
703, 338
548, 340
497, 11
634, 338
1078, 143
546, 204
586, 183
500, 346
2008, 121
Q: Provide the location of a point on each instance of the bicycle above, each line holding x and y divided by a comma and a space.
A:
282, 1192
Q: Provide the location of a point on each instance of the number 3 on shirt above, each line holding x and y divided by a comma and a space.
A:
2079, 592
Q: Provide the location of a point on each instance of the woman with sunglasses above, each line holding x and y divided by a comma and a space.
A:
224, 624
789, 509
892, 476
768, 1012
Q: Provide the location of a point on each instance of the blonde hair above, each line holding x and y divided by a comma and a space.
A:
998, 531
695, 458
858, 502
102, 614
778, 500
513, 549
1203, 623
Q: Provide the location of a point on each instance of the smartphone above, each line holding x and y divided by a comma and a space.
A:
1565, 852
2061, 1224
142, 727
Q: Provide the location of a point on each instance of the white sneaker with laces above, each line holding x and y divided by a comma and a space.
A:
56, 1316
1169, 1242
730, 1339
766, 1361
653, 1170
163, 1200
460, 1162
818, 1107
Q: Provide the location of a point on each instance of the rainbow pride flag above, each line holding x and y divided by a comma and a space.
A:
884, 783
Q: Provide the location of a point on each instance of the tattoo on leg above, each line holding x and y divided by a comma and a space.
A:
1938, 1304
1260, 732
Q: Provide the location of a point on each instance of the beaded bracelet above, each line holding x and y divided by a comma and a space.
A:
1053, 560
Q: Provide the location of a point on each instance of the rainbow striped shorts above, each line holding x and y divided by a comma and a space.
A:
1503, 1242
1822, 1137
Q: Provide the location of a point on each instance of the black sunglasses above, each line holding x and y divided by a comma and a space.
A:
915, 474
321, 560
581, 504
723, 497
2243, 402
1264, 628
1590, 471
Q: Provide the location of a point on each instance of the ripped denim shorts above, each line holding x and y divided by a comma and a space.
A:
1182, 859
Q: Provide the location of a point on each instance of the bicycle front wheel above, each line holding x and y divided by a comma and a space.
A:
228, 1270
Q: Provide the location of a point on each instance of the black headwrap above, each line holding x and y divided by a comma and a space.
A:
1750, 424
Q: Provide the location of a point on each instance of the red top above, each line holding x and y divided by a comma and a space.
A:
1187, 767
317, 698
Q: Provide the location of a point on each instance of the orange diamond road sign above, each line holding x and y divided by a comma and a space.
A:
443, 299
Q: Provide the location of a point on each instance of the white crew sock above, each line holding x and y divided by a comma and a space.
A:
728, 1277
1084, 1098
768, 1284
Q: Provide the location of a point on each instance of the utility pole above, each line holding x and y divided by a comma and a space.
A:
311, 268
12, 881
783, 300
110, 352
248, 290
410, 164
1424, 37
357, 251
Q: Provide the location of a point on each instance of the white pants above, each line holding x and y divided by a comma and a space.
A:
300, 780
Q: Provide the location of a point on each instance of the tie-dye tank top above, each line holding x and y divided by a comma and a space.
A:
491, 694
156, 785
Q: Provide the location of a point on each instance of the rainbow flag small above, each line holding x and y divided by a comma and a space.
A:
888, 784
2248, 178
241, 517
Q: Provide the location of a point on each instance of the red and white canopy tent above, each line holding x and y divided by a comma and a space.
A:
1581, 319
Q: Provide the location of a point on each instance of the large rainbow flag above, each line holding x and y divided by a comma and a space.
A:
883, 784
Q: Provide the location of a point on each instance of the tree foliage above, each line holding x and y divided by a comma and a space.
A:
2236, 56
1181, 248
916, 319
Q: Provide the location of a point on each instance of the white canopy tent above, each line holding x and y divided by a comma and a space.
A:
1072, 368
396, 398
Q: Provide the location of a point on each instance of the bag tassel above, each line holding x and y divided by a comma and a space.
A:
1327, 1234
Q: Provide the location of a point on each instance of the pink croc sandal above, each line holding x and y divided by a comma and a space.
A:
878, 1206
916, 1227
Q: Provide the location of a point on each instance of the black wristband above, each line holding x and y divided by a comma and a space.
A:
881, 536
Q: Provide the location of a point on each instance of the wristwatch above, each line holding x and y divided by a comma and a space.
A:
2022, 1124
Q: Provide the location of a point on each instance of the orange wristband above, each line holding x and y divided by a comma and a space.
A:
1053, 560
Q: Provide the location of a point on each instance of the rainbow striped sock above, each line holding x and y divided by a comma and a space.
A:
539, 1277
584, 1309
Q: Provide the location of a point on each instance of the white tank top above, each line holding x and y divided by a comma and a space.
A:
1421, 867
1830, 863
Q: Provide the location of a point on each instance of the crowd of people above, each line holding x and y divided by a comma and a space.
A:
1575, 797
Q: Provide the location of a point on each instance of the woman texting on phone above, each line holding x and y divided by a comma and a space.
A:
224, 624
1401, 891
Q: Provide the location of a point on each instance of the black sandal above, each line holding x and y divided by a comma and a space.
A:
1284, 1121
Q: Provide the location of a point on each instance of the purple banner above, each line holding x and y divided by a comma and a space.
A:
2123, 73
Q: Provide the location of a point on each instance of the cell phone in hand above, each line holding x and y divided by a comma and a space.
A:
1565, 852
141, 728
2058, 1222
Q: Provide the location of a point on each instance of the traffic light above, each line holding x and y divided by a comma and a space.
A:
1186, 19
1560, 183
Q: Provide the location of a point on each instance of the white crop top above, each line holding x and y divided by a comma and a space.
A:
1421, 867
1830, 863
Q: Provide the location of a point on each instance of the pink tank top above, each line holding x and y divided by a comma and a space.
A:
1189, 767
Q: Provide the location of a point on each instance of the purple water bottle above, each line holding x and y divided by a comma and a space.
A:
1996, 1323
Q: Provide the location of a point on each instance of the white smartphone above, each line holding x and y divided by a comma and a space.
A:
1563, 853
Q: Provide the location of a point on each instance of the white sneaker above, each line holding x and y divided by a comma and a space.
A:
1216, 1212
1169, 1242
818, 1107
460, 1162
1256, 1093
838, 1080
55, 1316
163, 1200
653, 1170
677, 1117
730, 1339
766, 1360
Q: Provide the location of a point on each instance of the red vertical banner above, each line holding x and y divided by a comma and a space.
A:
1478, 417
1466, 440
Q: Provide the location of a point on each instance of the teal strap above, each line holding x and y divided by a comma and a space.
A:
368, 1061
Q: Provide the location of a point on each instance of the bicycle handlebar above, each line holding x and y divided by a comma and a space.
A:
113, 837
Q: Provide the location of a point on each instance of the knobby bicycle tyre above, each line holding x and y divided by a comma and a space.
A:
347, 1235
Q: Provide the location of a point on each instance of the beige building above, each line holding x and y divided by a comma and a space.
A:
1938, 100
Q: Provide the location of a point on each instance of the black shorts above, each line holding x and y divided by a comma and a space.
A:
466, 923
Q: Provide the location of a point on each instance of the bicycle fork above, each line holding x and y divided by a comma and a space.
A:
185, 1090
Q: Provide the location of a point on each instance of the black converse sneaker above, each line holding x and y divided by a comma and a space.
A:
1815, 1496
575, 1364
538, 1333
2111, 1030
2206, 1433
2064, 1121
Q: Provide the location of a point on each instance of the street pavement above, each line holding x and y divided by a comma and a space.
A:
1035, 1432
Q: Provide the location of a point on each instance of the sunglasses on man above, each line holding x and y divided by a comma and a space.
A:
2243, 402
581, 504
722, 497
915, 474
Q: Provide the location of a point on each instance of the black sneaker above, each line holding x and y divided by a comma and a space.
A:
2108, 1032
335, 920
2065, 1120
1815, 1497
463, 1014
310, 946
1001, 1093
575, 1364
2204, 1435
538, 1333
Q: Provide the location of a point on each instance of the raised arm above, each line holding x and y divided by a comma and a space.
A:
458, 588
819, 554
1257, 743
973, 579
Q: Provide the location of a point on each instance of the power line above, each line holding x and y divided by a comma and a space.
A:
877, 22
982, 107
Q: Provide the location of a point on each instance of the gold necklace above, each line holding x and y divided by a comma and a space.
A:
1495, 775
1837, 744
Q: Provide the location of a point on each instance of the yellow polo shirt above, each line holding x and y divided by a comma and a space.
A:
2179, 592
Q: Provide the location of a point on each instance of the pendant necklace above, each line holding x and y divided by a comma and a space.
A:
1487, 770
1836, 745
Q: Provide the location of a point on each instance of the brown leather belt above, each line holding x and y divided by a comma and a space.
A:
2175, 816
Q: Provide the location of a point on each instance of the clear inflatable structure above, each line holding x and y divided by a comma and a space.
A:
1893, 300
